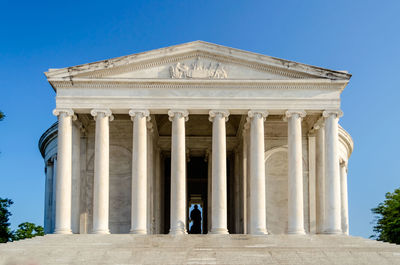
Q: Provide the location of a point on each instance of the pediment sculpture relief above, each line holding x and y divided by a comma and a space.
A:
198, 70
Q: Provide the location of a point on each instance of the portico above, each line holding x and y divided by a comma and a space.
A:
267, 129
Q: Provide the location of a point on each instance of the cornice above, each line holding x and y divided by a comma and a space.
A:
179, 83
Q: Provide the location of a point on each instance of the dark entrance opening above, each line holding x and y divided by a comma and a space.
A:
167, 194
197, 190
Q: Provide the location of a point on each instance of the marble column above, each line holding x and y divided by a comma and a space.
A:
209, 188
236, 194
101, 171
295, 160
320, 176
48, 196
64, 168
139, 171
178, 171
158, 191
54, 195
245, 155
343, 199
76, 177
150, 179
257, 172
332, 173
219, 223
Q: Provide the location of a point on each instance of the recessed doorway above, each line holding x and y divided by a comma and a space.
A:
197, 192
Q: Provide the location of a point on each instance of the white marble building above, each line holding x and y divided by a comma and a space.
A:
254, 140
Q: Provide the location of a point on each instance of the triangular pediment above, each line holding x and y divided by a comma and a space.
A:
196, 60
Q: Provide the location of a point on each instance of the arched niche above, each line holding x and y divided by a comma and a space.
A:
276, 187
120, 188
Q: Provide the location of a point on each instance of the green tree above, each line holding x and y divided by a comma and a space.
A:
28, 230
2, 115
387, 221
5, 231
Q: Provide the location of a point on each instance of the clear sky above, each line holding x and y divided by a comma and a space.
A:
362, 37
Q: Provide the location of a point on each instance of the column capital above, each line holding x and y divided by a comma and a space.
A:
221, 113
68, 112
106, 112
246, 127
49, 162
337, 112
142, 113
258, 114
181, 113
53, 158
319, 124
187, 155
311, 133
150, 127
292, 113
207, 154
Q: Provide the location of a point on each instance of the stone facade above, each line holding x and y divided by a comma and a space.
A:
135, 133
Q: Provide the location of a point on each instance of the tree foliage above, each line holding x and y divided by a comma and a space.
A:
5, 231
28, 230
387, 226
25, 230
2, 115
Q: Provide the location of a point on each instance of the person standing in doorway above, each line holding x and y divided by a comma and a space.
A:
195, 216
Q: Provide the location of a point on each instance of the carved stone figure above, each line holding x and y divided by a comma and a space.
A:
198, 70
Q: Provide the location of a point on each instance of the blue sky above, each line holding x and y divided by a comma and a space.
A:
359, 36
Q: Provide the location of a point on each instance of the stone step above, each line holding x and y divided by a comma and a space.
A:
198, 249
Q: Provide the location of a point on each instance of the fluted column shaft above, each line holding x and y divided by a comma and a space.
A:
219, 223
54, 195
295, 191
257, 173
344, 200
139, 172
101, 171
320, 178
48, 207
332, 173
178, 172
245, 188
64, 169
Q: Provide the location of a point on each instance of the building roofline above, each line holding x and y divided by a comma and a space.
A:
46, 137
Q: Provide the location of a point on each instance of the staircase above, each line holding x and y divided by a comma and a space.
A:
198, 249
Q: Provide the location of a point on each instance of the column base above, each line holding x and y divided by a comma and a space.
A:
138, 231
333, 232
296, 232
63, 232
177, 232
219, 231
259, 232
101, 232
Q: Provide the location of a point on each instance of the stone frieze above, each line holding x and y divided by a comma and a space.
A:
198, 70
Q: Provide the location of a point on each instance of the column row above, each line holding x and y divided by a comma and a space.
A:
178, 217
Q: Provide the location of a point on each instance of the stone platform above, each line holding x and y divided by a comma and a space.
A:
198, 249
